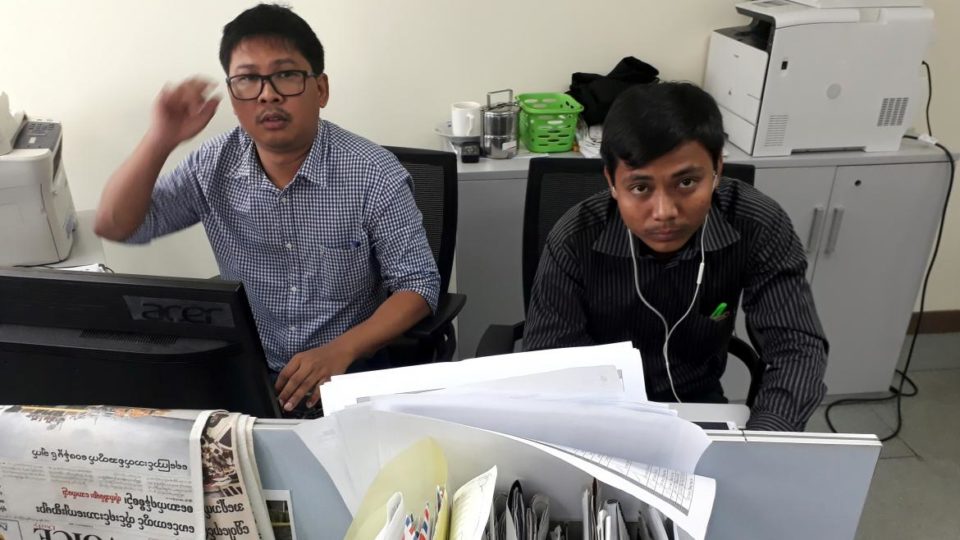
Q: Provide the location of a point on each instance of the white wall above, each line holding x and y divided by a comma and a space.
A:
944, 292
394, 67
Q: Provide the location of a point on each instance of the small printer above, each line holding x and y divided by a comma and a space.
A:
37, 217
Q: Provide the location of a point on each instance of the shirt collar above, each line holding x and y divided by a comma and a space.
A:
311, 171
613, 240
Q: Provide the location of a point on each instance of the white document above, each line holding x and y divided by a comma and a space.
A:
687, 499
595, 381
615, 528
473, 506
654, 521
644, 432
516, 513
540, 513
589, 522
509, 528
322, 437
346, 390
393, 530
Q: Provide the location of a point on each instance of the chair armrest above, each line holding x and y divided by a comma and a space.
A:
448, 307
742, 350
499, 339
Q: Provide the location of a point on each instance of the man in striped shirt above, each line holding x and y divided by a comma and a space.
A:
662, 258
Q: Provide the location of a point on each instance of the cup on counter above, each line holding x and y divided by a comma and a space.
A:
465, 119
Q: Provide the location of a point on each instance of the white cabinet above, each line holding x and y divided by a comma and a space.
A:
804, 194
868, 230
880, 228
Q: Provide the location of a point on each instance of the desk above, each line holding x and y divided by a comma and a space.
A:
864, 294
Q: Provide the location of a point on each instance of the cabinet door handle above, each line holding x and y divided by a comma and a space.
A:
834, 230
816, 226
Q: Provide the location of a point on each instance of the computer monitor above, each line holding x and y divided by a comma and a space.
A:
79, 338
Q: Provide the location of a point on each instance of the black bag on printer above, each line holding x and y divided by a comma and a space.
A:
597, 92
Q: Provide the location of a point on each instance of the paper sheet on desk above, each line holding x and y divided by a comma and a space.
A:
600, 382
345, 390
325, 441
645, 432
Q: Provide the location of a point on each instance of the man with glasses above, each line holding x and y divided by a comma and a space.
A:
319, 224
662, 257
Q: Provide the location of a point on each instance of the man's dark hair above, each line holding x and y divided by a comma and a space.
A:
651, 120
272, 21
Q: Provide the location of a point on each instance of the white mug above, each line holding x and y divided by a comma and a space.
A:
465, 119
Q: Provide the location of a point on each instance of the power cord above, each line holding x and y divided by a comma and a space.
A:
929, 96
897, 392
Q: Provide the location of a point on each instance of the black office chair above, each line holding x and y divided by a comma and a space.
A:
554, 185
435, 191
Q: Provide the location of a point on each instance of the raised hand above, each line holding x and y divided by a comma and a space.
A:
182, 111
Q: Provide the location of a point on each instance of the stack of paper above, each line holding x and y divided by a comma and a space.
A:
559, 474
554, 422
346, 390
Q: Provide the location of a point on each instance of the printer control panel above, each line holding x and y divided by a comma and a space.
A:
39, 134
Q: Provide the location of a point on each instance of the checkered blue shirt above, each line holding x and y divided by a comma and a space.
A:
317, 257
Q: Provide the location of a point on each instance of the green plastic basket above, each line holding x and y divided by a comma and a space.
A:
548, 121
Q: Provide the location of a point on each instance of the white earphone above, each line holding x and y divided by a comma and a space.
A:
667, 329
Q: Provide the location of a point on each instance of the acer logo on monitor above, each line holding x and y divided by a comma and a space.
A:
174, 310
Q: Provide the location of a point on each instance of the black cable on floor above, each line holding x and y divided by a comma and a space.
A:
897, 392
913, 392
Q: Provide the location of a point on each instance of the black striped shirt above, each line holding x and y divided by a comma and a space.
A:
584, 294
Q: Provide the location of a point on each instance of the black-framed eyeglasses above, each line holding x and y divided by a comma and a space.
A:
287, 83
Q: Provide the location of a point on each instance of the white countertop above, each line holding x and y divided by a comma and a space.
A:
910, 152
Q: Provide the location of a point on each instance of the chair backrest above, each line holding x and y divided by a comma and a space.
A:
434, 176
554, 185
741, 171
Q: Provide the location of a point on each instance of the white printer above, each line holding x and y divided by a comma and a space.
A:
37, 219
820, 74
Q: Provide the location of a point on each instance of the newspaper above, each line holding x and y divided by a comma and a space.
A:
107, 472
231, 497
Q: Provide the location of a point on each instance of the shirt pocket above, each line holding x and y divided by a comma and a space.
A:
347, 272
723, 300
